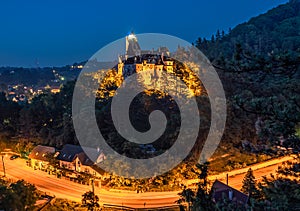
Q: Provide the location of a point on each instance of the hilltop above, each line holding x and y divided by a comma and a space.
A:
277, 30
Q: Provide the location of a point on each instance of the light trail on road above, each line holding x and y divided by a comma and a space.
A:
63, 188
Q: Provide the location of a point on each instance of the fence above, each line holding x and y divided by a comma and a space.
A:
109, 207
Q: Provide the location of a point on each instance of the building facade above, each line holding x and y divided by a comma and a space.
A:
40, 156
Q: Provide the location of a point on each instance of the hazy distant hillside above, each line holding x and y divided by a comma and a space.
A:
278, 30
26, 76
46, 75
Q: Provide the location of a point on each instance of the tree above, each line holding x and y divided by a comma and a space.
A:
202, 199
90, 200
9, 112
218, 35
26, 192
290, 169
281, 193
249, 185
186, 196
9, 200
223, 34
17, 196
212, 38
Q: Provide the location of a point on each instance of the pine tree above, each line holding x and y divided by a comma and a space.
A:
223, 34
212, 38
199, 43
90, 200
203, 198
218, 35
249, 185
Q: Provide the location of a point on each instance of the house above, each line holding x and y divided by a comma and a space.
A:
39, 156
80, 159
221, 191
86, 165
67, 156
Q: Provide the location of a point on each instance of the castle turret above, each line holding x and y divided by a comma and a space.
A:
132, 46
120, 67
169, 66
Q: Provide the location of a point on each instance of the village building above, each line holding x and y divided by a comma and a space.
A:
221, 191
40, 156
80, 159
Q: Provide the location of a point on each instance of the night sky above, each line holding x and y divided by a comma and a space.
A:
56, 33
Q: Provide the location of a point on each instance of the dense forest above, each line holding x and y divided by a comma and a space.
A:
274, 32
258, 63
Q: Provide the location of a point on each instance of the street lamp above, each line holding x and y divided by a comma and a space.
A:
3, 165
93, 190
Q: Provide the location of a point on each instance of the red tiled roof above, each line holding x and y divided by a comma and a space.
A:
40, 152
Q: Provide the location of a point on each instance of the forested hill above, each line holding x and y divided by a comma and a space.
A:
278, 30
257, 61
259, 65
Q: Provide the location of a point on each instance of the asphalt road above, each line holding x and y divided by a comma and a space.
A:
62, 188
236, 180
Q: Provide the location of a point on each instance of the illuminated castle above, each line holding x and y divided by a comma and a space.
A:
137, 60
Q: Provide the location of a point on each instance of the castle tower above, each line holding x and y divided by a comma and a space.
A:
120, 66
169, 66
132, 46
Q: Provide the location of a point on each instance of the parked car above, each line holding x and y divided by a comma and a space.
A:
14, 157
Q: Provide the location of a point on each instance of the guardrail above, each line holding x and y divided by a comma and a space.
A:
119, 207
50, 201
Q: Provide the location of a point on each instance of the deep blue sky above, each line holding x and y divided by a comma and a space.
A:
63, 32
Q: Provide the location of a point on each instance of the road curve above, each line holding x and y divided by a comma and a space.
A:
63, 188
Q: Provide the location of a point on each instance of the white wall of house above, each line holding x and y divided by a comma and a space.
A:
38, 163
67, 165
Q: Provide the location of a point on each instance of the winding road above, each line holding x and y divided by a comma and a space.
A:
63, 188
